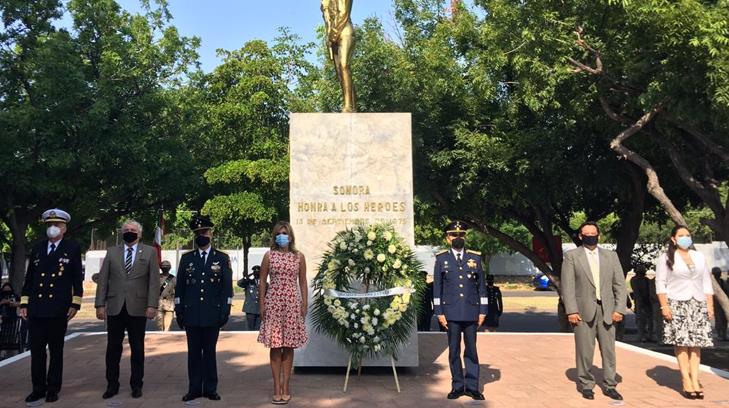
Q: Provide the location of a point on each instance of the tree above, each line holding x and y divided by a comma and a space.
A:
85, 115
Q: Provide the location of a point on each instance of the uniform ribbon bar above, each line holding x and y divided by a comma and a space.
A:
356, 295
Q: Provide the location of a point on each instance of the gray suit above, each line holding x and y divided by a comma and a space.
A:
138, 290
578, 295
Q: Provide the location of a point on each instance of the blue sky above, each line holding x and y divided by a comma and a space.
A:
228, 24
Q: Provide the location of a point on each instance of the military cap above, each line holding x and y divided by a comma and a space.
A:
56, 215
456, 226
256, 268
200, 222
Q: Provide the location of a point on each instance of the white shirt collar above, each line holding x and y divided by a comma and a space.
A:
456, 252
200, 251
134, 248
591, 252
57, 244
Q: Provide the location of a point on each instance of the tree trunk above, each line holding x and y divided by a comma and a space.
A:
246, 249
18, 224
631, 217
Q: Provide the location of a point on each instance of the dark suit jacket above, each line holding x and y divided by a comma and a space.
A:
459, 292
53, 282
204, 293
138, 290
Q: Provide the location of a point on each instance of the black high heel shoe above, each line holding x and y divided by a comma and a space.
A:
699, 395
688, 394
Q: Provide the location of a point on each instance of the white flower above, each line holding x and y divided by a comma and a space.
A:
332, 265
369, 243
363, 320
387, 235
355, 325
337, 302
352, 316
352, 305
362, 339
381, 257
377, 347
374, 321
371, 236
397, 264
376, 339
367, 270
351, 262
368, 254
355, 250
366, 307
377, 312
343, 245
370, 331
392, 249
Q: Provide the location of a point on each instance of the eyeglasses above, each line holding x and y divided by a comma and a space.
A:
457, 234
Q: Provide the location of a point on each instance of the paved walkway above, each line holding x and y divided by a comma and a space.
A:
517, 370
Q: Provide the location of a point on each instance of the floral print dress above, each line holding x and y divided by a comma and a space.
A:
283, 325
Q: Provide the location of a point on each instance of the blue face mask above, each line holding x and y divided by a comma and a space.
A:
282, 240
684, 242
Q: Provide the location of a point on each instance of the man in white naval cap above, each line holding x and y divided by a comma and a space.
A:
51, 296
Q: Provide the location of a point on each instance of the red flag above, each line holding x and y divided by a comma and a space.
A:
159, 232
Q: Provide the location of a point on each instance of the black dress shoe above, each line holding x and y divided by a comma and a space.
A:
110, 392
33, 397
212, 396
613, 393
475, 395
190, 396
455, 394
136, 393
51, 396
588, 394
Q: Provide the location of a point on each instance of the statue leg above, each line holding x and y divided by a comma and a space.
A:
344, 56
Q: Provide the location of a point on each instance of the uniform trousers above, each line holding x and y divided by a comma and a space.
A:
253, 321
164, 319
46, 331
467, 332
202, 370
115, 327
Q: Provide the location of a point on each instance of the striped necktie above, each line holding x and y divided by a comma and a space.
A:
128, 261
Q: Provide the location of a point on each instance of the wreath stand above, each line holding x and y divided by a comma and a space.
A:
359, 372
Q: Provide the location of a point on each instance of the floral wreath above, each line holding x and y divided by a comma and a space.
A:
364, 291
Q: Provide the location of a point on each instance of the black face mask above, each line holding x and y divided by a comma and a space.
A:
129, 237
458, 243
590, 240
165, 269
202, 241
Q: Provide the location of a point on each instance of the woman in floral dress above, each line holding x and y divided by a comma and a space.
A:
284, 307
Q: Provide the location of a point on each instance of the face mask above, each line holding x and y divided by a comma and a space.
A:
165, 269
202, 241
53, 232
458, 243
684, 242
589, 240
129, 237
282, 240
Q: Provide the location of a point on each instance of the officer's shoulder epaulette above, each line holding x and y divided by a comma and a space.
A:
188, 252
471, 251
441, 252
225, 254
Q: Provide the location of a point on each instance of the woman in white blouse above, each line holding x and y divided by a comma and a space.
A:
683, 285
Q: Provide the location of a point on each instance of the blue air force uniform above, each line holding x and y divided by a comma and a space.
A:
459, 294
204, 294
53, 285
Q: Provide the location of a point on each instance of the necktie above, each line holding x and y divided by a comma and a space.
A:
128, 261
53, 248
458, 258
203, 256
595, 269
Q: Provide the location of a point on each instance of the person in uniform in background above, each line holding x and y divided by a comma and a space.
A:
461, 306
250, 283
496, 305
657, 314
50, 298
166, 309
8, 314
719, 316
203, 297
643, 306
425, 315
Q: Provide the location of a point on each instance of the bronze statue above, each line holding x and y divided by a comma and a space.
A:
340, 41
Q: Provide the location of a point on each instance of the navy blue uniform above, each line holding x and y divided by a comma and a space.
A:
460, 295
204, 294
53, 284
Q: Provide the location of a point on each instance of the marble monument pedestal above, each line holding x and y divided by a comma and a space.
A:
348, 169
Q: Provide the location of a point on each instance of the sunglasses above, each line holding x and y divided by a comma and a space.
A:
457, 234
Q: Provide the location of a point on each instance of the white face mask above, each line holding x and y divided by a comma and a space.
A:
53, 232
